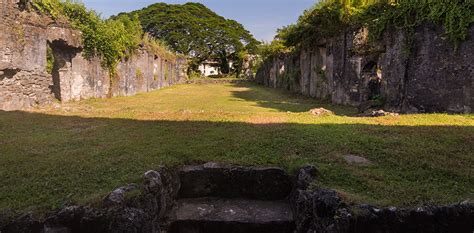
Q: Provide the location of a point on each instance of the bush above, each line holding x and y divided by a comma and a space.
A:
328, 18
111, 40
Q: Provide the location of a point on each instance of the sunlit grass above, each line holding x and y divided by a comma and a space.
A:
81, 151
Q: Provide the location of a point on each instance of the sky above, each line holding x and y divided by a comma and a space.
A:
261, 17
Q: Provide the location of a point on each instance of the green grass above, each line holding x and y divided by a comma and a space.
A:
78, 153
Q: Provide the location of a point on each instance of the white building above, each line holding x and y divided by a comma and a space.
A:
209, 68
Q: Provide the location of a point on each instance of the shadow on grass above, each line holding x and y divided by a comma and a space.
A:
285, 101
47, 160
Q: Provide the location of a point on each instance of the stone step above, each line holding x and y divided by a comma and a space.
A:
215, 215
215, 180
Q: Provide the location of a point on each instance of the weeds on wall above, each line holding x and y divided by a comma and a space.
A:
138, 73
49, 60
328, 18
111, 40
456, 16
289, 78
20, 34
167, 73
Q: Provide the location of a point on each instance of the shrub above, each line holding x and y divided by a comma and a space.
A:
328, 18
111, 40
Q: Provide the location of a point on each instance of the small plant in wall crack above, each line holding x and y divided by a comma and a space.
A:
138, 73
321, 70
49, 60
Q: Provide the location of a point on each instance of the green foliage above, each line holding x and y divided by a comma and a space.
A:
377, 101
195, 31
195, 75
19, 31
138, 73
456, 16
328, 18
167, 73
267, 50
159, 47
111, 40
322, 73
49, 60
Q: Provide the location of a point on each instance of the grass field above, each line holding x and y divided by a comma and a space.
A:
81, 151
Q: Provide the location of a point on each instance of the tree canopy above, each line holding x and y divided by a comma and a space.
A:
194, 30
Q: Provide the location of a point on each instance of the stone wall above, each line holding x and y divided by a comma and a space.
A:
150, 206
25, 82
324, 210
431, 77
119, 212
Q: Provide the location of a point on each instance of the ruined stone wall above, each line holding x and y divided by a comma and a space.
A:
432, 77
80, 78
24, 81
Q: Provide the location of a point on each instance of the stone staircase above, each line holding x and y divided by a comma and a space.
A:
215, 198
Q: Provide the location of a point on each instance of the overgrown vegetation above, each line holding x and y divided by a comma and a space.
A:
111, 40
330, 17
267, 50
49, 60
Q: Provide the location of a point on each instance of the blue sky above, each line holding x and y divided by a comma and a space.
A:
261, 17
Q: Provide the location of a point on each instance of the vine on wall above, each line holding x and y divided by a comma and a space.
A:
111, 40
330, 17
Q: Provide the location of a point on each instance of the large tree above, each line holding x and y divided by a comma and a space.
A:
194, 30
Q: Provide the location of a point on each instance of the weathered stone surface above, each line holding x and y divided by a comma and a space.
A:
377, 113
208, 215
312, 210
117, 197
162, 188
216, 180
233, 210
153, 182
25, 83
306, 176
56, 230
141, 213
324, 211
26, 223
346, 70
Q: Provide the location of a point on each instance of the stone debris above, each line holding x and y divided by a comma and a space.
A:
320, 112
117, 197
357, 160
306, 176
377, 113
